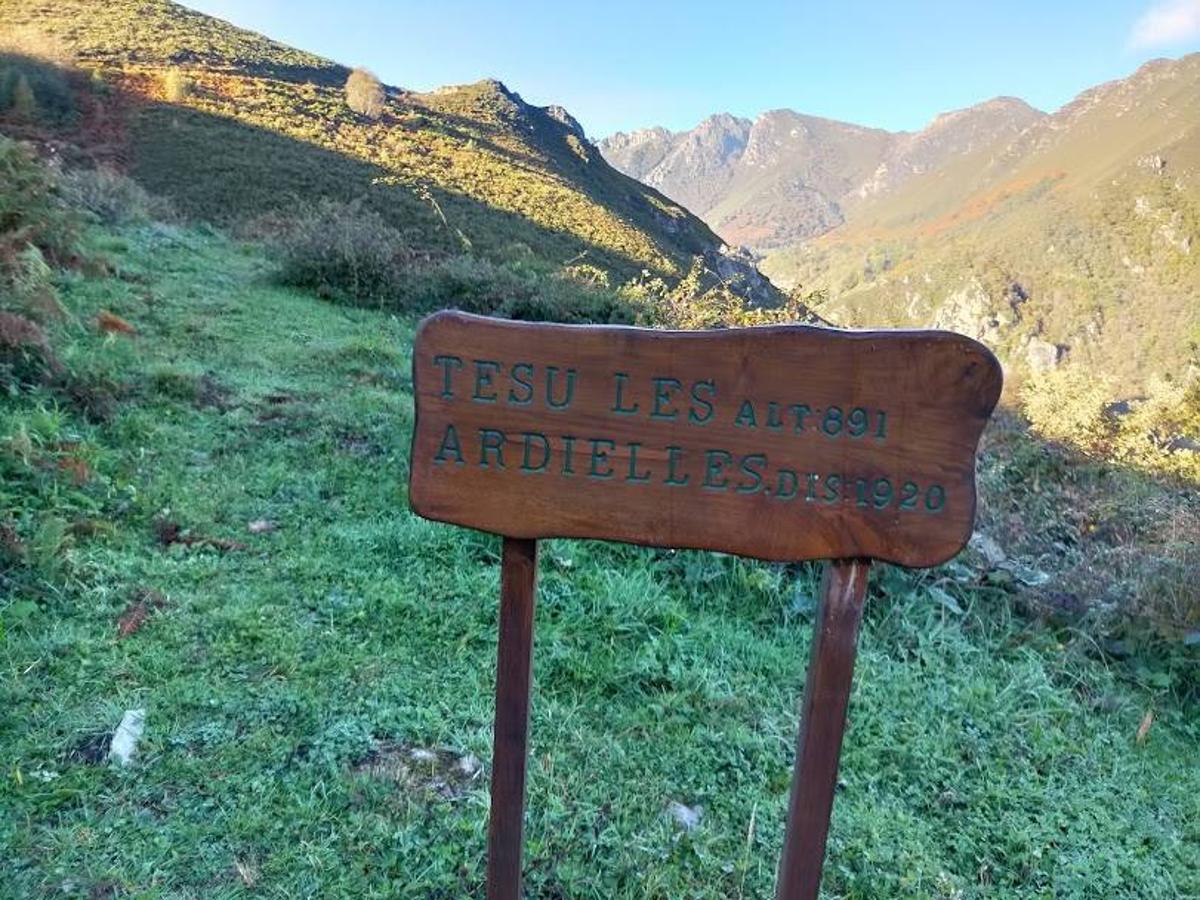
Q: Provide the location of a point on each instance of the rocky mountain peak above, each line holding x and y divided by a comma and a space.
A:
559, 114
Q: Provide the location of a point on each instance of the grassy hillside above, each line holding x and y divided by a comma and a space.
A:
202, 514
468, 168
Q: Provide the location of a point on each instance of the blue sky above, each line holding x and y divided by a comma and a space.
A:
621, 64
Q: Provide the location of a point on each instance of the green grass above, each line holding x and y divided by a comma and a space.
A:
986, 755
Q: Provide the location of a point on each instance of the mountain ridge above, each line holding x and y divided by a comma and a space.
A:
1053, 236
686, 165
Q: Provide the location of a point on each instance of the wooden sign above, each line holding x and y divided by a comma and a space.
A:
782, 443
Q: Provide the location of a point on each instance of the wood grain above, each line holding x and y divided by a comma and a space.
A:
781, 443
822, 722
518, 587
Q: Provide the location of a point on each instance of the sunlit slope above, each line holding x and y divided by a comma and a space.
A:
265, 125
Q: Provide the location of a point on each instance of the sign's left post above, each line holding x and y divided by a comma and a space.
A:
518, 588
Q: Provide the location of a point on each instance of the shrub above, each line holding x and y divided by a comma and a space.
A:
24, 104
113, 198
342, 251
32, 212
696, 303
25, 354
364, 93
1155, 433
33, 224
177, 86
346, 252
1068, 405
512, 291
467, 283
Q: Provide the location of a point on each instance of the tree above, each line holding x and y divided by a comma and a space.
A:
364, 93
24, 104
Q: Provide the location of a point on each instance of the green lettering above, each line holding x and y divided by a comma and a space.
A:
832, 423
569, 393
711, 388
484, 370
759, 459
774, 421
715, 462
618, 406
633, 475
491, 439
673, 455
745, 417
568, 453
857, 422
601, 457
860, 485
793, 484
663, 388
833, 488
525, 383
801, 411
882, 493
447, 363
527, 452
450, 444
811, 494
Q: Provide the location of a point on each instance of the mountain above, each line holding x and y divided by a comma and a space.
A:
235, 127
1073, 235
697, 166
786, 177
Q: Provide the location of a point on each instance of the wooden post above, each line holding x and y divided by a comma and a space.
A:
823, 719
518, 584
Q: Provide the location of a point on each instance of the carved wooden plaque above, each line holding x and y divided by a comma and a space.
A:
782, 443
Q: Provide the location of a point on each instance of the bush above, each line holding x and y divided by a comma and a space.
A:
364, 93
1069, 405
510, 291
32, 211
346, 252
24, 104
342, 251
694, 304
1156, 433
35, 92
112, 198
25, 354
177, 86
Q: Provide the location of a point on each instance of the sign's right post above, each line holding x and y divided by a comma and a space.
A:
822, 722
